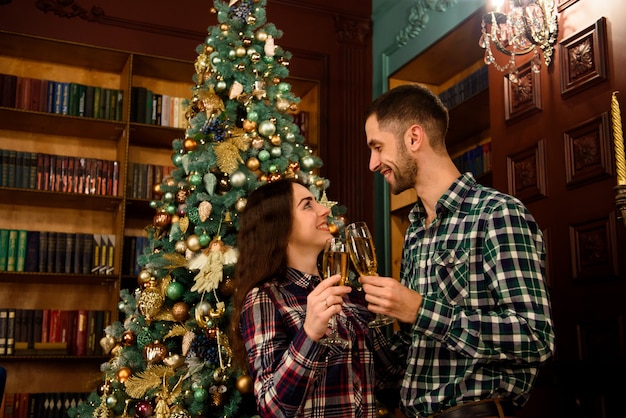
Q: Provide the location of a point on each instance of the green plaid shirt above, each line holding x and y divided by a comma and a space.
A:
485, 324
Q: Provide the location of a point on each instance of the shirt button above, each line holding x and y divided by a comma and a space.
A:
423, 263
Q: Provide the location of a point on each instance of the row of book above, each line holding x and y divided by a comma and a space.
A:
58, 173
62, 98
477, 160
56, 252
143, 177
153, 108
40, 405
25, 332
471, 85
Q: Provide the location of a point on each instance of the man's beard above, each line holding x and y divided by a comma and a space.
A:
405, 172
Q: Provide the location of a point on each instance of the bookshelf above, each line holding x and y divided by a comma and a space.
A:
120, 214
111, 214
460, 80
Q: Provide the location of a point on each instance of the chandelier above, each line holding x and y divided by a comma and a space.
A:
523, 27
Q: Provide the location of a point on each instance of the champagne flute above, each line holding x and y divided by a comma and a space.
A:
335, 261
363, 254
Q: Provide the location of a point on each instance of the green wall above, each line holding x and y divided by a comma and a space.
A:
391, 19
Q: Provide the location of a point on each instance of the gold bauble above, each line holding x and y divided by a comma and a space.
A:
180, 247
261, 36
253, 163
123, 374
275, 140
240, 204
144, 277
181, 196
223, 27
150, 302
170, 182
275, 80
332, 228
174, 361
319, 183
157, 189
240, 51
293, 107
107, 343
282, 105
190, 144
249, 125
275, 177
240, 67
263, 178
193, 242
180, 311
244, 384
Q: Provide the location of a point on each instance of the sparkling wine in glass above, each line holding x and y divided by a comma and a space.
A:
335, 261
363, 254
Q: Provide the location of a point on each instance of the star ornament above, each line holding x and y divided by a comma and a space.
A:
325, 202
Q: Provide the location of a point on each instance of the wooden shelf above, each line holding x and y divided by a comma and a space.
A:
49, 199
60, 278
53, 124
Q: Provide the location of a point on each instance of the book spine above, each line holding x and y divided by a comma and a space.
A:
4, 315
12, 250
42, 259
4, 248
10, 332
22, 245
32, 252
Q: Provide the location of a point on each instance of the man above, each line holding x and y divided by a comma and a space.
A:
474, 312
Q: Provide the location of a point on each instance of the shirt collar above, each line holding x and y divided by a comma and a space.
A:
301, 279
450, 201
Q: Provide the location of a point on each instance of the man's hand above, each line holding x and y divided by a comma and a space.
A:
388, 296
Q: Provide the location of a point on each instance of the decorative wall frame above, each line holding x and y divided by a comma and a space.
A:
522, 98
583, 59
564, 4
588, 156
593, 247
526, 172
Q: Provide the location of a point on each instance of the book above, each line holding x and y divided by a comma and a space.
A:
11, 162
4, 315
9, 90
89, 101
32, 158
10, 331
54, 327
80, 341
59, 252
110, 261
12, 250
91, 333
97, 100
4, 248
70, 242
22, 245
88, 253
42, 259
45, 326
35, 94
32, 252
51, 251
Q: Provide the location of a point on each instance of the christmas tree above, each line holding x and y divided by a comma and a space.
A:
170, 355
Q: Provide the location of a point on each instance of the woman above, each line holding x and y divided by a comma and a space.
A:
282, 309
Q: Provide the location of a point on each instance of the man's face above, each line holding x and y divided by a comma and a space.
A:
390, 157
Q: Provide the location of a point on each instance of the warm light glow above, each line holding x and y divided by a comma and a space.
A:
526, 26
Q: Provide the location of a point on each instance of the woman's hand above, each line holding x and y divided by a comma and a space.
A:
322, 303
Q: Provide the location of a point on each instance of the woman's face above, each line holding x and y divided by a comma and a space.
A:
310, 226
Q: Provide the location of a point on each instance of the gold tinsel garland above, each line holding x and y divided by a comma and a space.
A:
138, 384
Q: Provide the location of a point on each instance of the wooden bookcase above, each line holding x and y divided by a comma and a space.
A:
440, 68
35, 210
121, 215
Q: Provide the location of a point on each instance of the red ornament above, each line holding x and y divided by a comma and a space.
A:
143, 409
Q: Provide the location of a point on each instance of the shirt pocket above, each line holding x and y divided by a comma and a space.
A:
451, 270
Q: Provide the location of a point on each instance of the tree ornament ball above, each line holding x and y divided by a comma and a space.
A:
249, 125
128, 338
157, 190
200, 395
267, 128
240, 51
123, 373
275, 140
204, 239
193, 242
195, 179
261, 36
276, 152
190, 144
240, 204
177, 159
180, 311
238, 179
223, 27
244, 384
181, 196
257, 143
308, 162
155, 352
227, 286
282, 105
162, 219
144, 277
111, 401
175, 291
253, 164
274, 177
264, 155
319, 183
332, 228
143, 409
